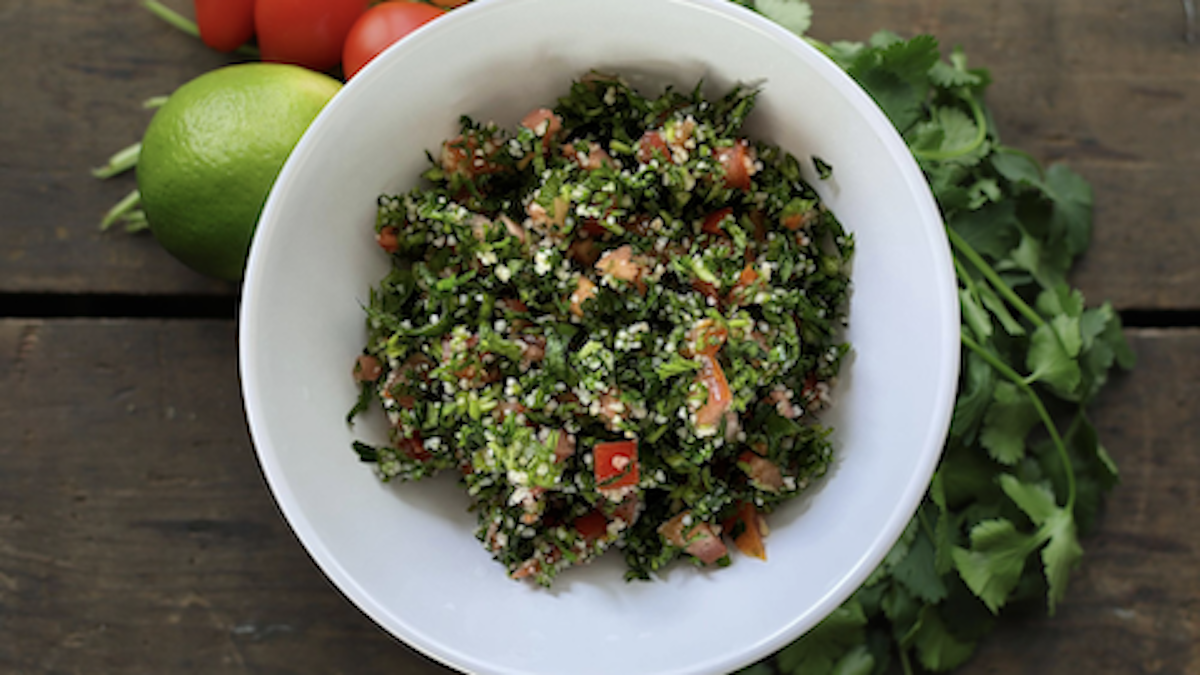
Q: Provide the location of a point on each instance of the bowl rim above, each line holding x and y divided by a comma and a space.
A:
286, 499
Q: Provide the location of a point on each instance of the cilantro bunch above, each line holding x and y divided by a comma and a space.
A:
1023, 473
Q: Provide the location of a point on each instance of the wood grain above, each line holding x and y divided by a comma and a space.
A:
74, 77
137, 535
1109, 86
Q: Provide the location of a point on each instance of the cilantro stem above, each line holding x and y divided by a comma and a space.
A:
123, 160
1015, 377
904, 662
122, 209
980, 135
990, 274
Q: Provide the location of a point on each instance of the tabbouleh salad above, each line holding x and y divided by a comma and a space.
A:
615, 323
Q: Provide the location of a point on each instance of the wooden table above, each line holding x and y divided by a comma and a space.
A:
137, 534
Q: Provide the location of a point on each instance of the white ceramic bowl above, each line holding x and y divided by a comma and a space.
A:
405, 554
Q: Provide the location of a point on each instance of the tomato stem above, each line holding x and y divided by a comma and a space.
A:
187, 25
172, 17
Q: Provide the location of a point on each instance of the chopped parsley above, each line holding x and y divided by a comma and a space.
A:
616, 323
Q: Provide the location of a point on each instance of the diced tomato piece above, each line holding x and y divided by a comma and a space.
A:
797, 221
698, 539
737, 163
388, 238
414, 447
565, 447
747, 277
515, 305
584, 291
592, 525
706, 337
367, 368
627, 510
760, 226
652, 145
746, 525
544, 124
618, 263
528, 568
615, 465
762, 472
706, 289
464, 157
594, 158
712, 223
745, 280
719, 396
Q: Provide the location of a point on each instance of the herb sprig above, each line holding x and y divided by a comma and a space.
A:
1023, 472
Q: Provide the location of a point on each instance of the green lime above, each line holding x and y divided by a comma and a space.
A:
212, 153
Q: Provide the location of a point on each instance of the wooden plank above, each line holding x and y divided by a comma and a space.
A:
75, 75
1106, 85
1110, 87
137, 535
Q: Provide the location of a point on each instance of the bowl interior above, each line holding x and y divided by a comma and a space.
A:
405, 554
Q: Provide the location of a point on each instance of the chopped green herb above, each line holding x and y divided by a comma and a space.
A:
617, 322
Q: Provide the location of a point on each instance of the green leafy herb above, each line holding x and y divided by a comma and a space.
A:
1002, 518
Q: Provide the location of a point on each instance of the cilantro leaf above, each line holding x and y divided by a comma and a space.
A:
819, 650
993, 565
857, 661
975, 394
917, 573
1037, 501
1060, 556
1052, 351
1056, 524
937, 648
1007, 423
991, 230
943, 538
896, 75
1072, 216
948, 134
954, 74
794, 15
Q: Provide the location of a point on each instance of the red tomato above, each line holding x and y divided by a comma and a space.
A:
414, 447
712, 223
309, 33
225, 25
650, 145
381, 26
719, 395
591, 525
449, 4
750, 539
388, 238
736, 161
615, 464
696, 538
